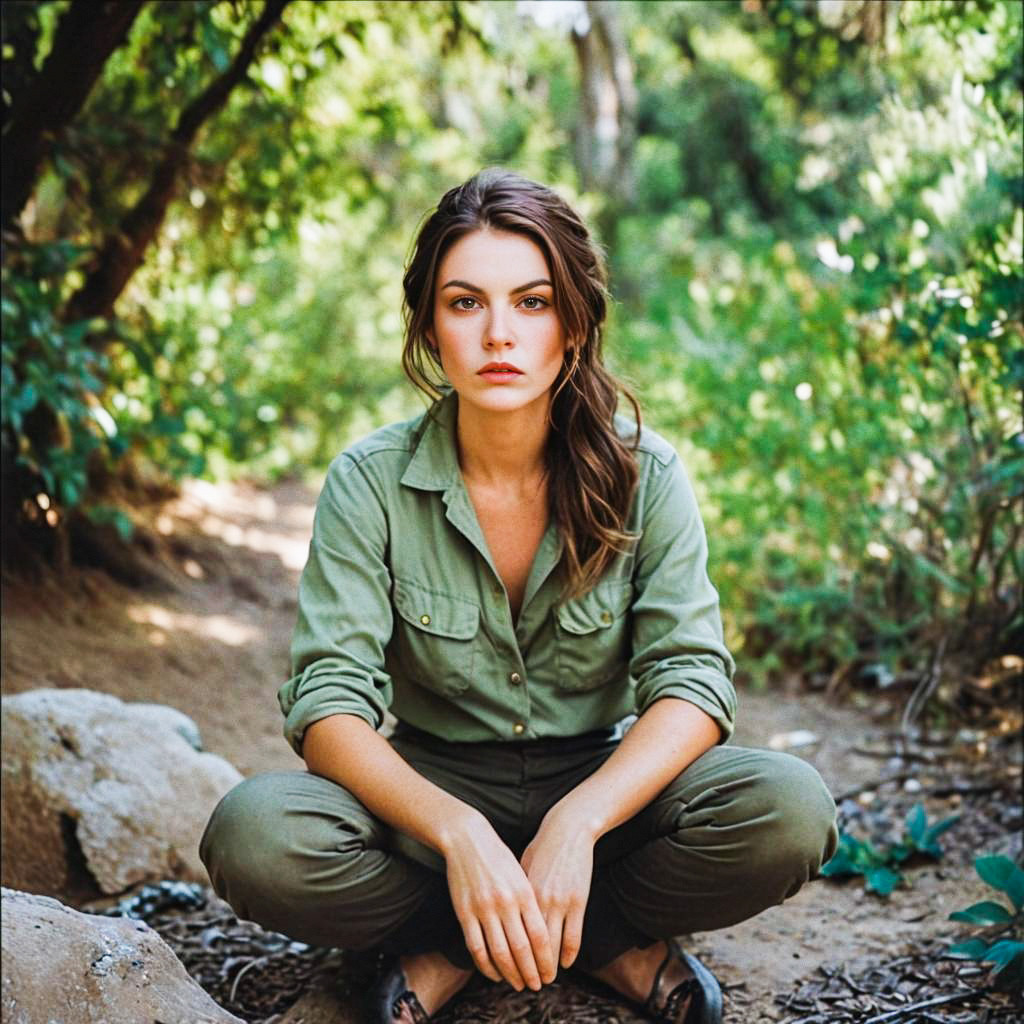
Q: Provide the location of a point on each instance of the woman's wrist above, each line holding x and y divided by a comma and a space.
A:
458, 823
577, 814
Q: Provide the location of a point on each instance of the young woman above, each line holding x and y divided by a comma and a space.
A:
513, 574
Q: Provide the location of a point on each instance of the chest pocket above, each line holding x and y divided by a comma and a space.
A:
592, 636
435, 637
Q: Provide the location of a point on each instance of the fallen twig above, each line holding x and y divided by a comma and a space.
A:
957, 997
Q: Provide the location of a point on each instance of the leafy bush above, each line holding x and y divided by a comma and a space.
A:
880, 866
49, 365
846, 375
1006, 952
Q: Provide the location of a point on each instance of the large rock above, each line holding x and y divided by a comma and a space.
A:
100, 795
61, 965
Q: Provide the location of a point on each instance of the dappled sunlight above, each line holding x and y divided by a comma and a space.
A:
244, 517
224, 628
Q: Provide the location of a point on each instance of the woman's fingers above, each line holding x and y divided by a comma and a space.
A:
555, 922
501, 954
477, 946
572, 934
542, 942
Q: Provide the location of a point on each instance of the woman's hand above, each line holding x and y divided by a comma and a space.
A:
505, 932
559, 863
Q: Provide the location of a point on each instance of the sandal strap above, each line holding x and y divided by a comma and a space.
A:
667, 1012
651, 1005
409, 998
684, 990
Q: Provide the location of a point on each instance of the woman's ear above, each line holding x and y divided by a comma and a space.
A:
431, 340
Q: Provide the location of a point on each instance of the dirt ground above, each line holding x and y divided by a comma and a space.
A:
211, 638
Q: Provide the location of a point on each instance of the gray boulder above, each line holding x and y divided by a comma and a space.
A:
100, 794
61, 965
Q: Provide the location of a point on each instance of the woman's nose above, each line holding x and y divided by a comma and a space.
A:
499, 330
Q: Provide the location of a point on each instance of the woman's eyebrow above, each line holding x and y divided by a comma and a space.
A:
456, 283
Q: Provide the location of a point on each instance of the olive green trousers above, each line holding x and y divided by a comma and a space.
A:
738, 831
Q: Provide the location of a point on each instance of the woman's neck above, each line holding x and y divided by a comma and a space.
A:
502, 450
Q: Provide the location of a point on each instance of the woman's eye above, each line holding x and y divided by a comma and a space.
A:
459, 302
534, 302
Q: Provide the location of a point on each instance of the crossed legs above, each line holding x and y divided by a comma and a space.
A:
739, 831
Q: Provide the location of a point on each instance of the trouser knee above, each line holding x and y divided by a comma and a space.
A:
244, 848
793, 820
302, 856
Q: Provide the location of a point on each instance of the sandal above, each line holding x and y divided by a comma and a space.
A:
394, 995
701, 988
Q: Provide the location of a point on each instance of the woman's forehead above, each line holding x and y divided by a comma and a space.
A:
495, 257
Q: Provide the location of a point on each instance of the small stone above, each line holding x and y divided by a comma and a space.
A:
792, 740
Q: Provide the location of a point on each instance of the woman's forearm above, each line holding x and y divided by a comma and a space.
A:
346, 750
670, 735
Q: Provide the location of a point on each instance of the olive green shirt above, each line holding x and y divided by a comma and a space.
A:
400, 606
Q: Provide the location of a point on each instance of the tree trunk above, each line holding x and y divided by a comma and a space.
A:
605, 17
606, 129
86, 36
124, 248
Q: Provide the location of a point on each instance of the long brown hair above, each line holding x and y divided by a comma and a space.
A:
591, 471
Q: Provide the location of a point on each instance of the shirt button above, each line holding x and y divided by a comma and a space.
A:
606, 617
519, 728
515, 678
425, 619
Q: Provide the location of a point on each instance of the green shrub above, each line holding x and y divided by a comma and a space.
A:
880, 866
1005, 948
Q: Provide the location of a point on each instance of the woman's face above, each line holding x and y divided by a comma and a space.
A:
495, 328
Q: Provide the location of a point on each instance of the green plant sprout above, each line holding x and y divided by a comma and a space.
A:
1002, 944
880, 866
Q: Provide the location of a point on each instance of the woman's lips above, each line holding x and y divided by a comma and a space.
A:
500, 372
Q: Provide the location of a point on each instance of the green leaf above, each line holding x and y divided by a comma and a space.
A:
104, 514
936, 830
917, 823
213, 46
26, 401
972, 949
882, 880
1003, 951
995, 870
1008, 955
69, 492
840, 864
1015, 887
986, 912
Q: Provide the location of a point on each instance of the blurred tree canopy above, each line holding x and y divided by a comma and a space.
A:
814, 216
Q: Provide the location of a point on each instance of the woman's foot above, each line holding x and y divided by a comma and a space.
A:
434, 979
672, 986
632, 973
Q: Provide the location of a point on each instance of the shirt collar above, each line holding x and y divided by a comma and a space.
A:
434, 465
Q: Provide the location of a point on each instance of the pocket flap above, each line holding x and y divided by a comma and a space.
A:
438, 614
597, 609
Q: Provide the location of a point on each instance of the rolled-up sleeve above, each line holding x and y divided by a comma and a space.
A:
678, 647
345, 617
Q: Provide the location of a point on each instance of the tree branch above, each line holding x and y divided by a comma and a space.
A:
86, 36
124, 248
